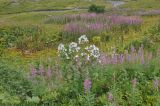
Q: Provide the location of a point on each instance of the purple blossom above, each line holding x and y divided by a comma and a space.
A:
94, 23
132, 49
128, 57
156, 83
103, 59
49, 73
33, 71
41, 70
128, 20
110, 97
134, 82
114, 59
122, 58
87, 85
95, 26
142, 60
134, 57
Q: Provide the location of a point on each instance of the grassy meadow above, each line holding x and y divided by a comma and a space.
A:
74, 53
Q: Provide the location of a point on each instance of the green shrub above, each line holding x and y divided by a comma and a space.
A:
13, 80
97, 9
154, 33
26, 38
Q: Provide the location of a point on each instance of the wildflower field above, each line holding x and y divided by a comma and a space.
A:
79, 53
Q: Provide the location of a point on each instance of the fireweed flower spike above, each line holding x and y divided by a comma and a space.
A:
49, 73
33, 71
87, 85
156, 83
132, 49
142, 61
134, 82
41, 70
110, 97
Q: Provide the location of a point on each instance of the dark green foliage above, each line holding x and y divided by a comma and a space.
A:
13, 80
97, 9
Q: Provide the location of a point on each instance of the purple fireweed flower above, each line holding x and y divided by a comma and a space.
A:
140, 52
95, 23
142, 60
95, 26
88, 17
134, 82
109, 59
122, 58
87, 85
75, 28
49, 73
132, 49
41, 70
128, 57
120, 20
110, 97
33, 71
103, 59
156, 83
114, 59
134, 57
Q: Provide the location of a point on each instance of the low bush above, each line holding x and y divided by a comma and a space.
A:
26, 38
154, 33
14, 86
96, 9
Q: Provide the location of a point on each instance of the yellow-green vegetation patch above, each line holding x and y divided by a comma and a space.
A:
142, 4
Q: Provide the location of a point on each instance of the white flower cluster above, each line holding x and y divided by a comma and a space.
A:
93, 50
83, 39
73, 47
62, 50
76, 52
